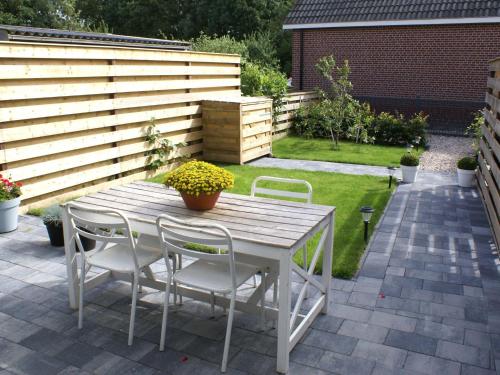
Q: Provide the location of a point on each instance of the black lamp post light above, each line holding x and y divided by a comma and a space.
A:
391, 171
366, 213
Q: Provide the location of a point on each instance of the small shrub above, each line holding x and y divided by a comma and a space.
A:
416, 127
474, 130
220, 44
387, 129
257, 80
397, 130
410, 160
467, 163
52, 215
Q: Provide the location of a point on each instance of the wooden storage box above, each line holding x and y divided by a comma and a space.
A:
237, 130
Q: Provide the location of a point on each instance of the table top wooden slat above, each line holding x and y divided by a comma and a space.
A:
265, 221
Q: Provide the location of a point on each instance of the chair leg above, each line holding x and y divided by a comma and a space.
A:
180, 267
304, 260
132, 310
254, 281
212, 303
80, 295
228, 332
165, 314
263, 302
174, 269
275, 297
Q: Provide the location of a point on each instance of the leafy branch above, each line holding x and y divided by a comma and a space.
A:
161, 147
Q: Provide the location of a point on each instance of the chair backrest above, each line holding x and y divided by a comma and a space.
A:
282, 193
107, 226
175, 234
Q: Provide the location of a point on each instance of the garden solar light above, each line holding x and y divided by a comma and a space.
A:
366, 212
417, 141
391, 171
409, 147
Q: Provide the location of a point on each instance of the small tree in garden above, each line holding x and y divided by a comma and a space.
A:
339, 99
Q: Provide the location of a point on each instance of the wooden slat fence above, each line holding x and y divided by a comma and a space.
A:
73, 119
488, 174
291, 103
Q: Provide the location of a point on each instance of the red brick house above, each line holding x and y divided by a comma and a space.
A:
405, 55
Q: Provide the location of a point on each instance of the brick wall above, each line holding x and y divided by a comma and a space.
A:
435, 63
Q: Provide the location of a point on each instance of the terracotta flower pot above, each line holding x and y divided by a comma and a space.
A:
200, 202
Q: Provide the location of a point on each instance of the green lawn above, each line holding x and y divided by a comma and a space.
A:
348, 152
347, 192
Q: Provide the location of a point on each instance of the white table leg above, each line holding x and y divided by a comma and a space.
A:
71, 261
285, 305
327, 261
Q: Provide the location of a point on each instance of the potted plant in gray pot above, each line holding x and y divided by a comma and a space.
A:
466, 170
52, 218
409, 167
10, 193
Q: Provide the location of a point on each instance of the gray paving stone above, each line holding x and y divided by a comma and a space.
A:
393, 321
424, 274
37, 364
473, 291
463, 353
299, 369
17, 330
353, 313
411, 341
440, 331
368, 332
439, 309
252, 363
396, 271
404, 282
383, 370
444, 287
344, 365
431, 365
327, 323
390, 290
330, 341
388, 356
362, 299
367, 285
421, 295
473, 370
396, 303
306, 355
478, 339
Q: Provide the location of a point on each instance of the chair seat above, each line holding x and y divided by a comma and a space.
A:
119, 258
213, 276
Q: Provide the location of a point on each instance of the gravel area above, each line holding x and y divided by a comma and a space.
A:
444, 153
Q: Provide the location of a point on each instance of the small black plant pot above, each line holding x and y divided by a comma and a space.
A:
56, 236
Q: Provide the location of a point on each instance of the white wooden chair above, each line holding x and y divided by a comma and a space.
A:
307, 197
119, 250
215, 273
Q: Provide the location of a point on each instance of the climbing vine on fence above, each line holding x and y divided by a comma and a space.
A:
161, 147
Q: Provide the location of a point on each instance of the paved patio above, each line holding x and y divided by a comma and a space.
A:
426, 301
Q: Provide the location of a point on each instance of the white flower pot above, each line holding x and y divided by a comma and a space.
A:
409, 173
466, 177
8, 215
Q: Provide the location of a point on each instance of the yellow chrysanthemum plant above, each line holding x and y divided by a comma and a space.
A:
199, 183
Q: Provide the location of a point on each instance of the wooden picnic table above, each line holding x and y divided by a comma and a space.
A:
266, 232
